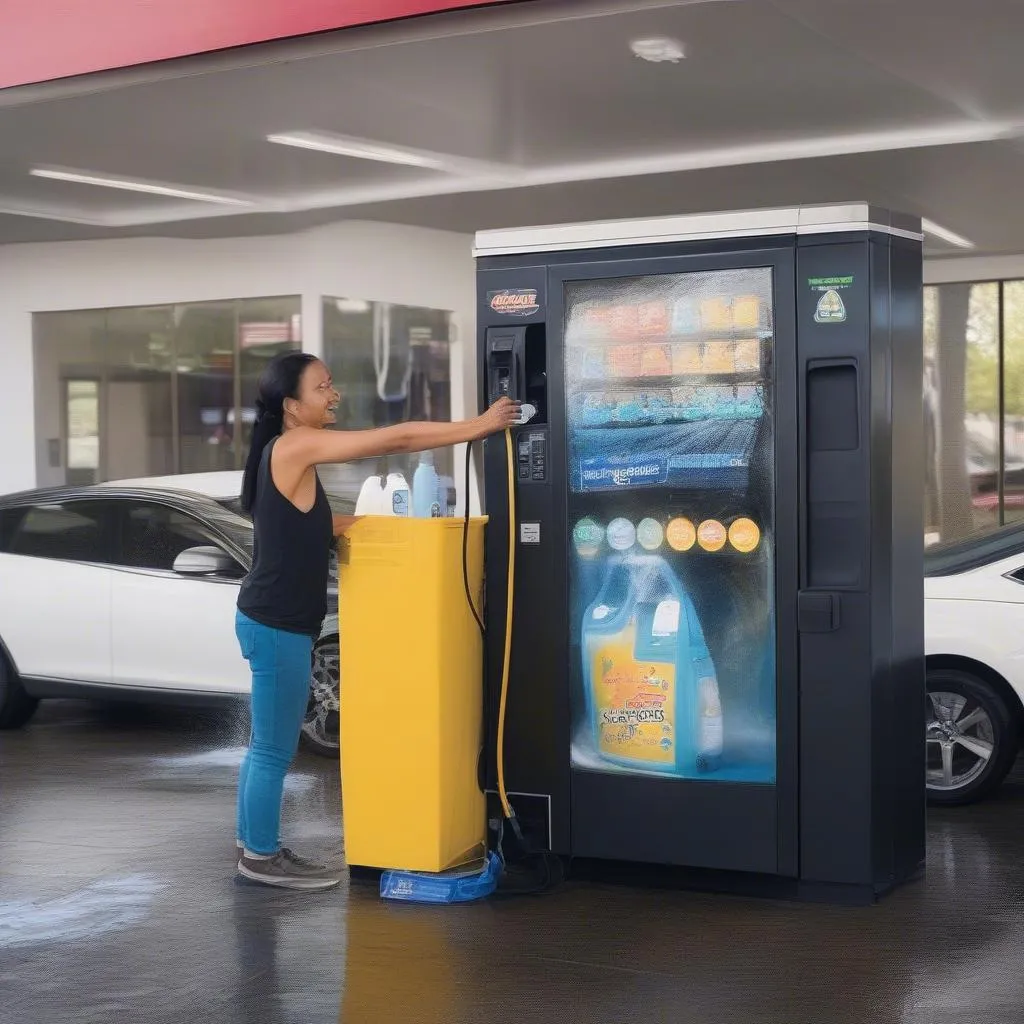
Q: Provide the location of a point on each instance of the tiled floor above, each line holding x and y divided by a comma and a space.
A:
118, 904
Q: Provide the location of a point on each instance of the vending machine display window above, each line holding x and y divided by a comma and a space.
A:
668, 383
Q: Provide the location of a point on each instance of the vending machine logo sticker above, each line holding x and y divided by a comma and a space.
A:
831, 308
514, 301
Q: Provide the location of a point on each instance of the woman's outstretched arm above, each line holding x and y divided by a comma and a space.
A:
316, 447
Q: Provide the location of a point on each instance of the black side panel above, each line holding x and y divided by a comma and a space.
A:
906, 682
861, 600
834, 365
884, 729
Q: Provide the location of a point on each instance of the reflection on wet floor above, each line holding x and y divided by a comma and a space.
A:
118, 903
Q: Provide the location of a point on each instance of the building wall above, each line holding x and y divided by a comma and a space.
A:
384, 262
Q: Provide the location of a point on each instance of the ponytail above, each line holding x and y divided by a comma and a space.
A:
279, 381
268, 426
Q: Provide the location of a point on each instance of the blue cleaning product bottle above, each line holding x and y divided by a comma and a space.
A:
651, 687
425, 489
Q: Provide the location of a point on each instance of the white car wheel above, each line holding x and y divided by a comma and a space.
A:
970, 737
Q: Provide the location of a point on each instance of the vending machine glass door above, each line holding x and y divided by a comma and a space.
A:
680, 579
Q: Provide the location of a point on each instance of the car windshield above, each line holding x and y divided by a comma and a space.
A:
974, 552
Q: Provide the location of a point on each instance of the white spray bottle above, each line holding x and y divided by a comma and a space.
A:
371, 497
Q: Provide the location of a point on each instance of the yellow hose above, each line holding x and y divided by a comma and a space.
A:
505, 805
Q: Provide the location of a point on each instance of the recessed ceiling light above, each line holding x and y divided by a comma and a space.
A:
358, 148
126, 185
658, 50
938, 231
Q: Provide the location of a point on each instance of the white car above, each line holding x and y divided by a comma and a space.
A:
121, 591
974, 642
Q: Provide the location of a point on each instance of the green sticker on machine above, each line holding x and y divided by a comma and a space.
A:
831, 308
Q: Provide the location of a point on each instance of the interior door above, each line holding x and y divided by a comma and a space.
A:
171, 631
680, 462
56, 602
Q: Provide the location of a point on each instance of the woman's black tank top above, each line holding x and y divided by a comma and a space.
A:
287, 586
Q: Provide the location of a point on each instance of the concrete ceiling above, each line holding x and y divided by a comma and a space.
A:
540, 113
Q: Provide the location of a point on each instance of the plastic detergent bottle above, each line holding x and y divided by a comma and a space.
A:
426, 499
396, 495
371, 497
651, 687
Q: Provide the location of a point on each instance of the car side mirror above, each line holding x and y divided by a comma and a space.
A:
205, 561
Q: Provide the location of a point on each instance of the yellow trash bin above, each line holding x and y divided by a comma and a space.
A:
411, 694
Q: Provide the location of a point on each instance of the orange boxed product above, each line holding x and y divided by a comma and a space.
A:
595, 321
655, 361
624, 361
652, 319
715, 315
686, 357
719, 357
624, 322
746, 311
748, 356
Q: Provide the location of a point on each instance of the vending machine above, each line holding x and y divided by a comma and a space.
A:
717, 651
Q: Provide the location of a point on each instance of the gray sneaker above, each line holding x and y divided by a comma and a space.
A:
285, 870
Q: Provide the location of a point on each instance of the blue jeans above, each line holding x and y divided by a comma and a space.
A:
281, 665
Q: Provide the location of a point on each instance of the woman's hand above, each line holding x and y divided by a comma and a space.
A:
503, 414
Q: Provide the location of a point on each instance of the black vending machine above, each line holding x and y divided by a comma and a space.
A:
717, 659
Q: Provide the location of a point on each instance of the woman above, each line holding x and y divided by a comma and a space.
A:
282, 603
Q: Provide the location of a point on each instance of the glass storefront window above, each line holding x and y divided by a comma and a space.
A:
136, 365
1013, 401
961, 393
204, 357
151, 391
390, 363
266, 327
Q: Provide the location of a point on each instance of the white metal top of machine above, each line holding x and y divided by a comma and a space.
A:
799, 220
